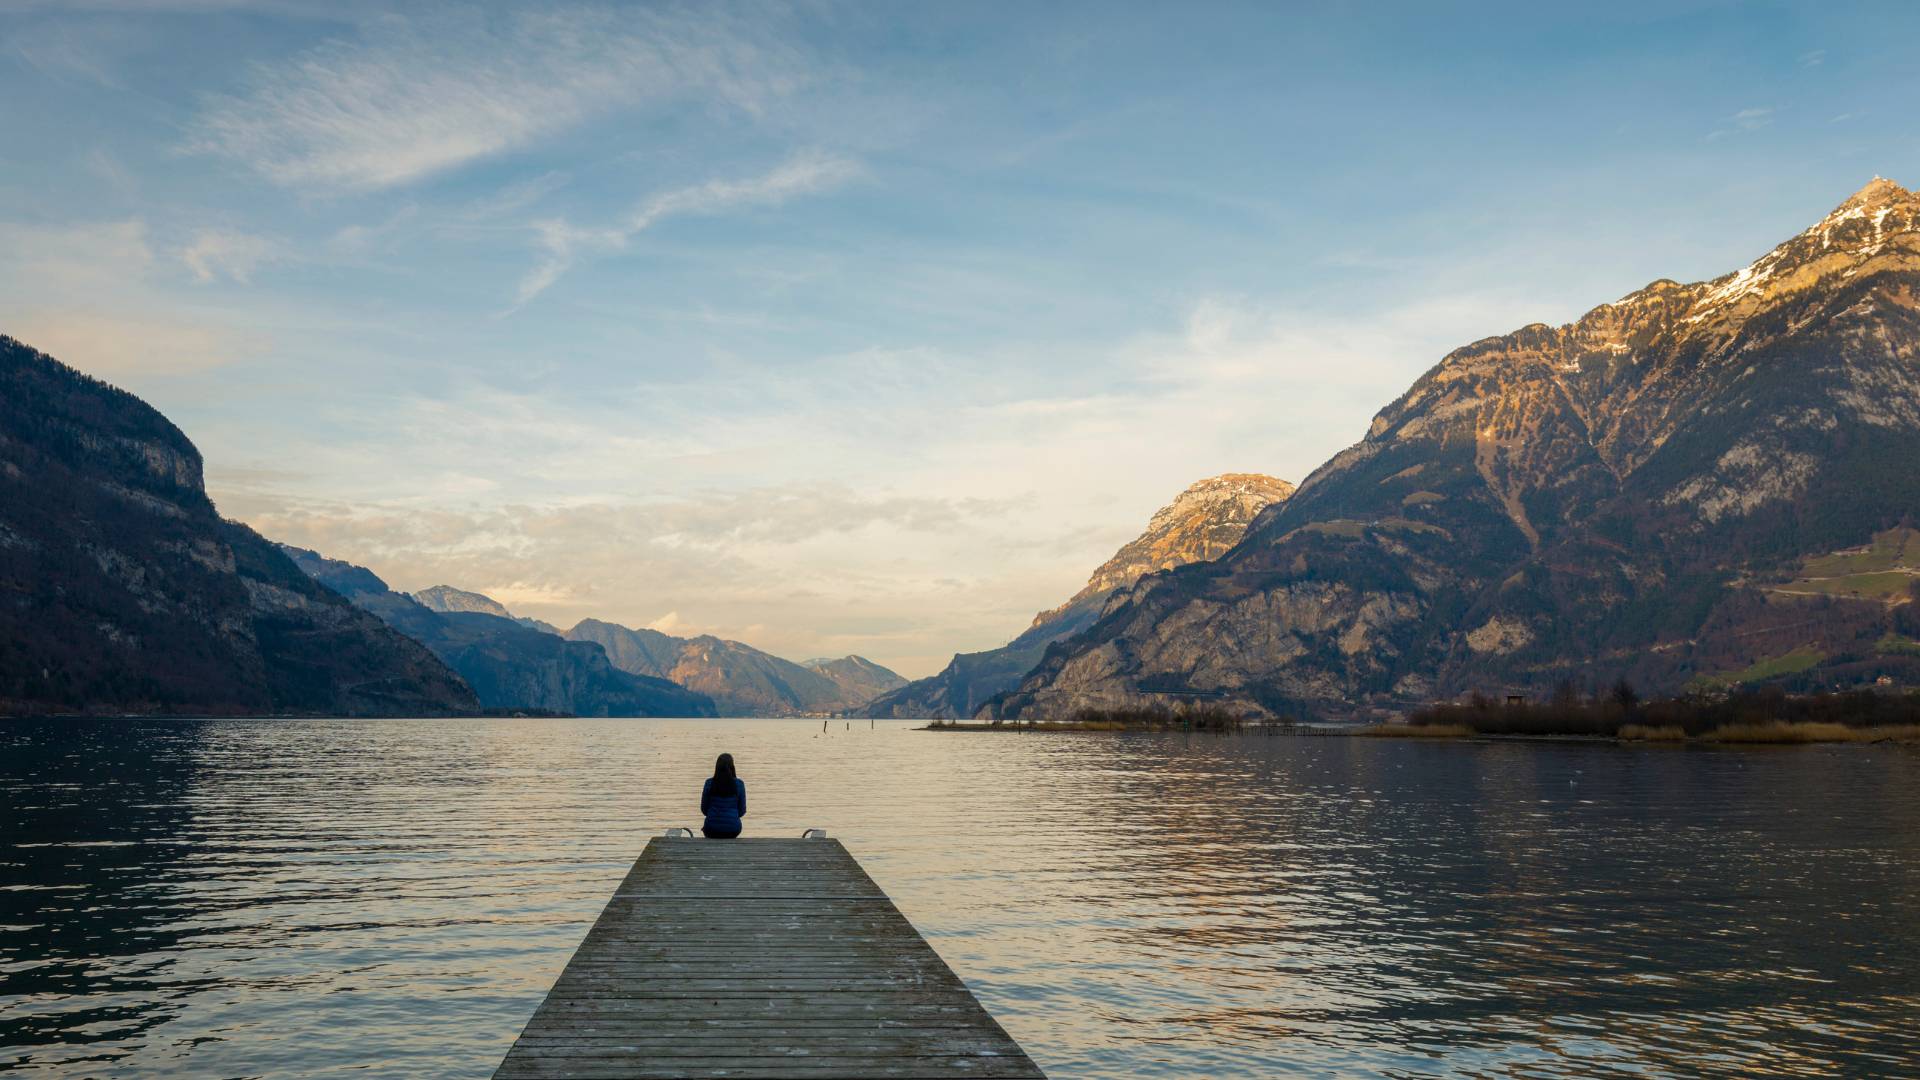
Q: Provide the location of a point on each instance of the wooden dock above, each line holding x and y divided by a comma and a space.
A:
757, 958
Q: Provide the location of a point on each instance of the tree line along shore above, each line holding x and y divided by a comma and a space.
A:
1758, 716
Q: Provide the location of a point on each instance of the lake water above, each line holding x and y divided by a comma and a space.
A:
333, 898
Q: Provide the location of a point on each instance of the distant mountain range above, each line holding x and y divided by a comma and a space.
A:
742, 680
509, 665
123, 591
1696, 485
722, 677
1205, 521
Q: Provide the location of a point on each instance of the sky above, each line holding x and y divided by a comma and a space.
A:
860, 328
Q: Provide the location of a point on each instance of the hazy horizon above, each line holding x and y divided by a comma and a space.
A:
849, 330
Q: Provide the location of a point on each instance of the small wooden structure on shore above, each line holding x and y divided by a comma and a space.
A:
757, 958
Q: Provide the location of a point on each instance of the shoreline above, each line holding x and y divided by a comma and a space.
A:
1772, 734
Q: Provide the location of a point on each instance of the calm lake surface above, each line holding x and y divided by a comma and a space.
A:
393, 898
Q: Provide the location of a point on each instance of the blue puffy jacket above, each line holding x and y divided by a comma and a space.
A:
723, 811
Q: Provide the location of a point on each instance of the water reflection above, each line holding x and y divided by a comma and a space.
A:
313, 898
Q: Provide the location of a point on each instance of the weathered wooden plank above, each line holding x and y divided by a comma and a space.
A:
770, 959
757, 984
811, 1036
548, 1031
755, 965
752, 1001
549, 1027
632, 1011
952, 1046
673, 932
749, 901
591, 982
770, 1069
687, 1034
757, 958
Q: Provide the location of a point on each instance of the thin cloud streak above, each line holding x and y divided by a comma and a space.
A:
807, 173
1745, 120
234, 255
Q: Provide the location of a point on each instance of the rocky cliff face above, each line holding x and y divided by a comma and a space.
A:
741, 680
1203, 523
510, 665
123, 591
1625, 495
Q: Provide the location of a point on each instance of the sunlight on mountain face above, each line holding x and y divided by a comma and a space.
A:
1610, 498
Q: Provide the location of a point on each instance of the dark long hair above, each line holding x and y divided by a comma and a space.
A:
725, 786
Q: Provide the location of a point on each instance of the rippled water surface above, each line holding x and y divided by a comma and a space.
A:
323, 898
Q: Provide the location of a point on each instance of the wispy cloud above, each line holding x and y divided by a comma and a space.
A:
234, 255
73, 51
562, 243
1752, 119
414, 96
358, 239
515, 196
672, 623
524, 594
106, 166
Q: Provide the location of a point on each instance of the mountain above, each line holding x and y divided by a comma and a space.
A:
643, 651
742, 680
448, 600
509, 664
1701, 484
1204, 522
860, 680
125, 592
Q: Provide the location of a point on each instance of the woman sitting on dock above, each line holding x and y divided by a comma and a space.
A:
723, 799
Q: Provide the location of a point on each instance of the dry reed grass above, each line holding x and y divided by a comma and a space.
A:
1416, 731
1801, 733
1775, 732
